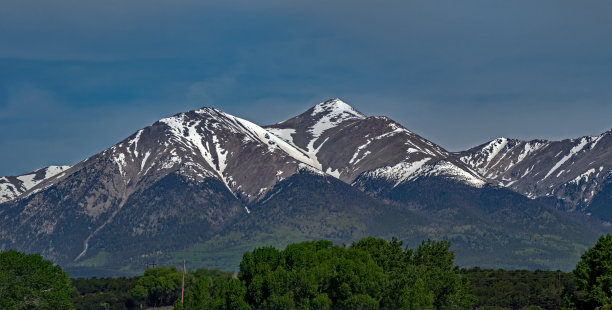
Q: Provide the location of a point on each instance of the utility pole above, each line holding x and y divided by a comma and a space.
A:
183, 286
559, 280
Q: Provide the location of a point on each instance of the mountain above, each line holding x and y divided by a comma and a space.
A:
12, 187
345, 143
218, 154
571, 171
208, 186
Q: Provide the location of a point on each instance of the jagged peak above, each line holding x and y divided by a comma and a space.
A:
497, 143
604, 134
186, 116
508, 142
533, 141
209, 111
195, 115
503, 139
338, 107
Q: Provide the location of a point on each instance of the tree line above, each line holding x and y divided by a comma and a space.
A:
372, 273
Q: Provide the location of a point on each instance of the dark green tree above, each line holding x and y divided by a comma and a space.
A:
359, 302
416, 297
414, 276
104, 293
308, 275
322, 302
433, 261
30, 282
230, 296
593, 276
158, 286
198, 297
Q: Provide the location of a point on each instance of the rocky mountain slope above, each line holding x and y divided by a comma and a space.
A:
210, 185
206, 146
345, 143
573, 171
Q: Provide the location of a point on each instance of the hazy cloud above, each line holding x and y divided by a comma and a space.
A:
87, 74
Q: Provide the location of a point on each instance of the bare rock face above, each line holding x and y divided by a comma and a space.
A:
572, 170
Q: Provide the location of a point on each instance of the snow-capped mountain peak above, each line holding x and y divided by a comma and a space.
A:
573, 170
345, 143
337, 109
224, 145
12, 187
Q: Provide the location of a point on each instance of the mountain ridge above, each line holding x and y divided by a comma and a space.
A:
12, 187
200, 174
571, 170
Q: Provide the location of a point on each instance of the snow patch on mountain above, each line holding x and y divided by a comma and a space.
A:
13, 187
334, 173
144, 160
572, 152
410, 171
134, 142
283, 133
529, 149
27, 181
120, 161
596, 140
483, 160
451, 171
209, 137
8, 190
335, 111
495, 147
359, 149
309, 169
398, 173
185, 131
273, 141
328, 114
583, 177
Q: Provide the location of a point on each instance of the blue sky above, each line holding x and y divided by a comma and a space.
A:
78, 76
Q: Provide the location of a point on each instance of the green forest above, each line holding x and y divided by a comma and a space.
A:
372, 273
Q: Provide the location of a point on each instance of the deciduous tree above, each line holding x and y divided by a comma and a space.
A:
30, 282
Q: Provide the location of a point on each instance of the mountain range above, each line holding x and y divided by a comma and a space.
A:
207, 186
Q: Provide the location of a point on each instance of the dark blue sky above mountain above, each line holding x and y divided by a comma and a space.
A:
78, 76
